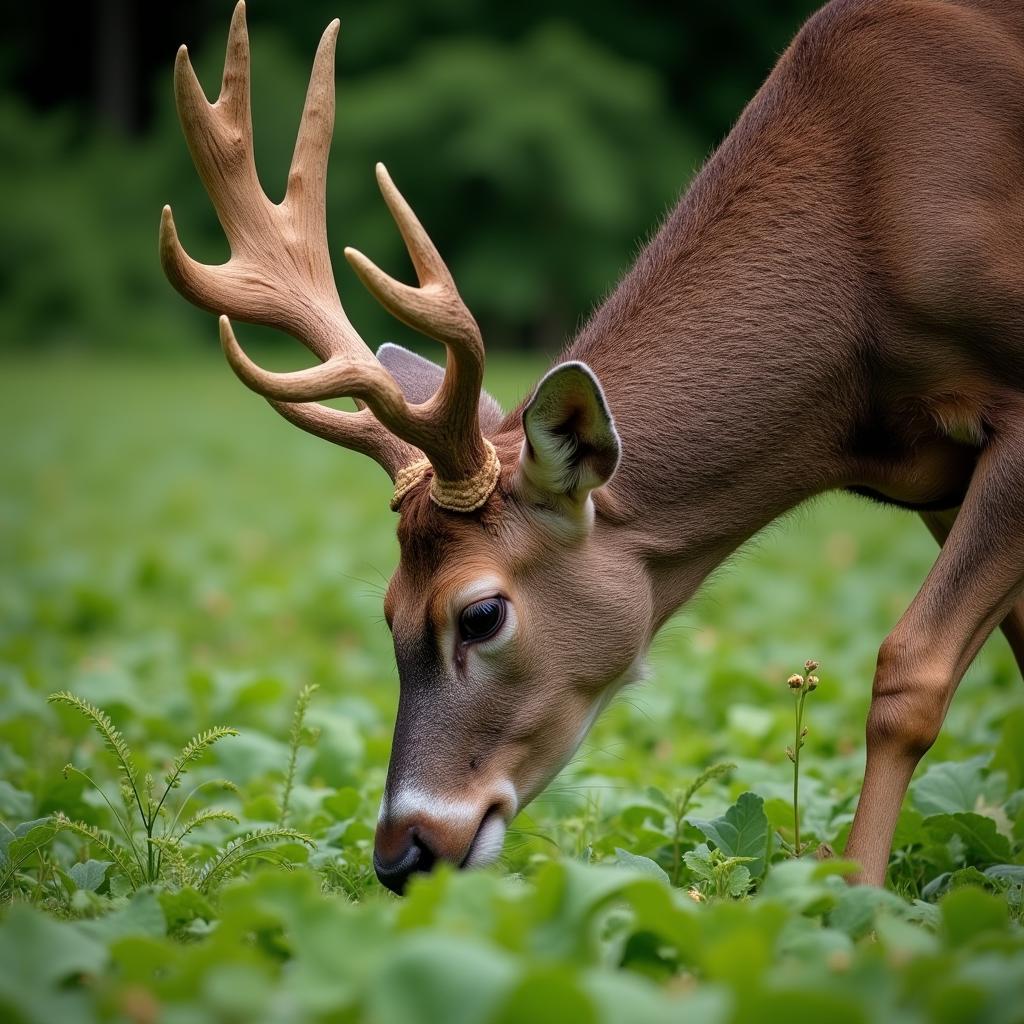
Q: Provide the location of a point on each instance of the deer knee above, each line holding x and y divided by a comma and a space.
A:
908, 699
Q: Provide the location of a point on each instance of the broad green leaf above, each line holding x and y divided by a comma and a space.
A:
621, 996
970, 912
812, 944
89, 875
857, 907
434, 977
741, 832
8, 835
982, 843
143, 915
643, 865
910, 830
37, 952
952, 786
897, 933
342, 803
738, 880
807, 886
779, 813
238, 992
21, 849
698, 860
547, 995
659, 798
738, 941
14, 803
1012, 874
182, 906
811, 1005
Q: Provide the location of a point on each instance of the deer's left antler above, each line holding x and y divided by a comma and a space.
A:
280, 274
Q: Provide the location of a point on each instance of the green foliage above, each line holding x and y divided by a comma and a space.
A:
142, 861
741, 832
718, 874
538, 142
244, 567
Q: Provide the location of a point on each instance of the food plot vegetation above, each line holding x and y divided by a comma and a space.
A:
198, 689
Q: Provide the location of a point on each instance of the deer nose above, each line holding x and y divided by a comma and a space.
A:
395, 872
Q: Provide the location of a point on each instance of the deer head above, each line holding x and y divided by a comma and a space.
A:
514, 618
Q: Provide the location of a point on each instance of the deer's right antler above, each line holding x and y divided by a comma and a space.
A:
280, 274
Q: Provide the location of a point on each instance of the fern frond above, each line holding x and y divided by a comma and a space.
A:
294, 742
101, 722
225, 785
252, 844
201, 818
177, 862
104, 840
193, 749
715, 771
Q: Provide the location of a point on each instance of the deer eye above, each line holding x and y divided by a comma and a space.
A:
481, 620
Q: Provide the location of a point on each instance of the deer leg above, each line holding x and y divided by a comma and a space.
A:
972, 587
940, 523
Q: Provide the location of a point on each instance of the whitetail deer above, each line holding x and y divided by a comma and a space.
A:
836, 302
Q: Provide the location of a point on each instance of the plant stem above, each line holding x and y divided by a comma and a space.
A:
677, 846
797, 744
125, 828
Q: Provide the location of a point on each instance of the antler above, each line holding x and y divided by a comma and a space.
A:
280, 274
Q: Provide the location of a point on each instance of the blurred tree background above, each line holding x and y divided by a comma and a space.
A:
540, 142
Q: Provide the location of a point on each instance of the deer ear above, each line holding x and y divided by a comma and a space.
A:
419, 378
571, 443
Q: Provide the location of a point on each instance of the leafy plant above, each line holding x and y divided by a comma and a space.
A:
151, 837
678, 806
718, 874
742, 833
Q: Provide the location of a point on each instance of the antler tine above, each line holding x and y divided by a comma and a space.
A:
204, 285
234, 83
219, 137
435, 309
337, 377
357, 431
307, 177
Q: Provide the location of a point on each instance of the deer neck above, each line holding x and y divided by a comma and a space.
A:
729, 357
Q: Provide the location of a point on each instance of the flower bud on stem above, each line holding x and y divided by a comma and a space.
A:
800, 687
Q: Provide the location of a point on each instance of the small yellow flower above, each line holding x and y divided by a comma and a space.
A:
795, 681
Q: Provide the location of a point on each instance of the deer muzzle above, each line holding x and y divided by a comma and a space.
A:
417, 830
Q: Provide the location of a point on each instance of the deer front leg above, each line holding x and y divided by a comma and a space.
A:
940, 523
973, 586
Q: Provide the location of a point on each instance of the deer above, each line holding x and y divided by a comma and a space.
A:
835, 303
